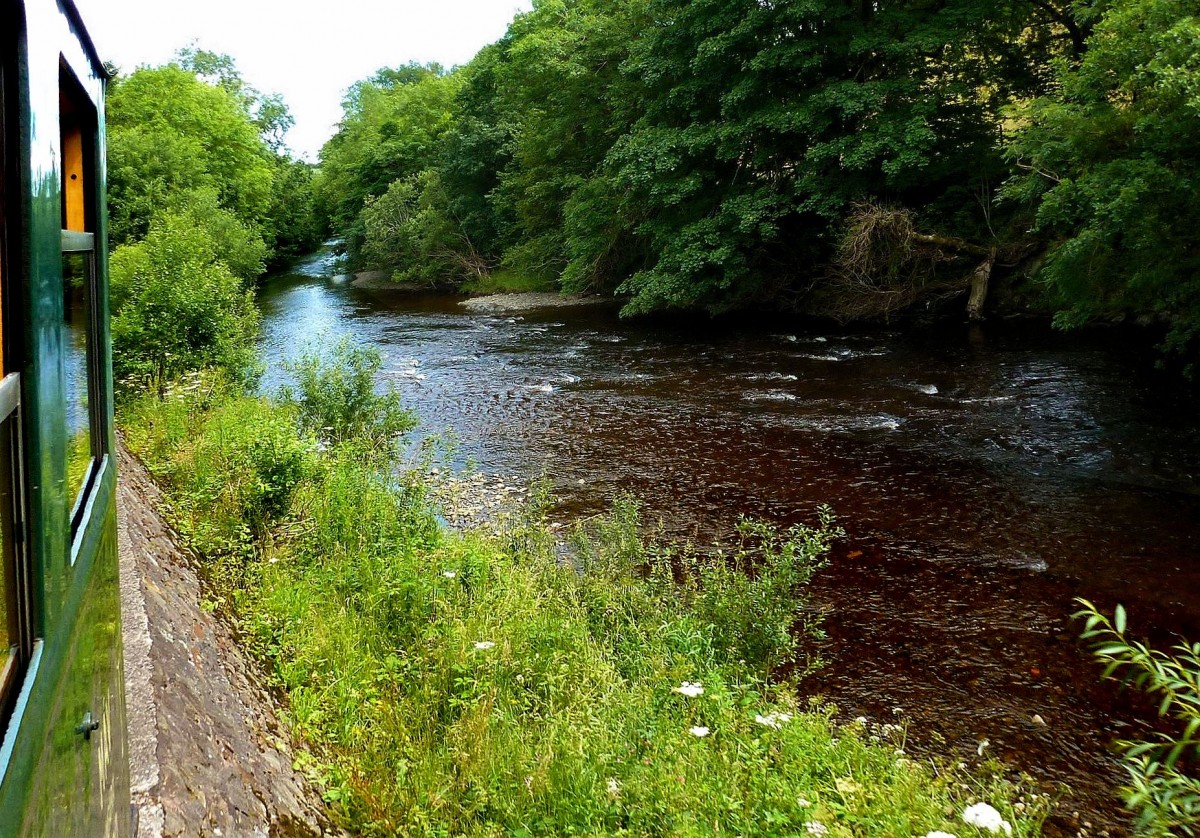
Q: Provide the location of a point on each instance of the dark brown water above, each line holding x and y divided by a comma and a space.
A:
985, 477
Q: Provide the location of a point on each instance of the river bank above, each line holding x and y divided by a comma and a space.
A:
985, 476
473, 681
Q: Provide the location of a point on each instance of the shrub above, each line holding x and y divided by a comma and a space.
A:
178, 308
335, 398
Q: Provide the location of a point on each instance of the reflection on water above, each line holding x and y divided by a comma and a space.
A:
985, 478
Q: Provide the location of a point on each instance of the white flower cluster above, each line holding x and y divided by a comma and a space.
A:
985, 816
483, 645
773, 720
689, 688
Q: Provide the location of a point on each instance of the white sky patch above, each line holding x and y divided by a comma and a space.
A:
309, 52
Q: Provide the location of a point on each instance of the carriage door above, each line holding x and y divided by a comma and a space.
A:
16, 631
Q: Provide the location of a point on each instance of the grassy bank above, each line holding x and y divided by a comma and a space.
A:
480, 683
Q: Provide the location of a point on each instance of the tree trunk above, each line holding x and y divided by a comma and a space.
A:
979, 286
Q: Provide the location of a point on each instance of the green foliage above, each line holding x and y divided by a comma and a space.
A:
766, 121
1111, 162
410, 225
268, 111
292, 219
694, 154
200, 199
392, 129
170, 132
751, 602
245, 457
335, 399
1163, 789
476, 684
177, 306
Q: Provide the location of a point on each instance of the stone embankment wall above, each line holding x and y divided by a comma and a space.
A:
207, 753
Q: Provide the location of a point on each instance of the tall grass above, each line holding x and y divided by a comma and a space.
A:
500, 684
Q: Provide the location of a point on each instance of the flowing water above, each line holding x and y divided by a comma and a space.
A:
985, 477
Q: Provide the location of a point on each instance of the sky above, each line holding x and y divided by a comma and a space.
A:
309, 52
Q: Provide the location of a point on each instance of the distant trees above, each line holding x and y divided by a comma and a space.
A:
709, 153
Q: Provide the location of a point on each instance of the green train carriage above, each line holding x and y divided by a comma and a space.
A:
63, 764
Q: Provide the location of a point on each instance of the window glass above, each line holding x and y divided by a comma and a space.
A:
77, 351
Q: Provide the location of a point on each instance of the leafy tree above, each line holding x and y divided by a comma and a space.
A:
169, 132
764, 122
413, 225
476, 149
563, 91
292, 218
1111, 162
268, 111
392, 129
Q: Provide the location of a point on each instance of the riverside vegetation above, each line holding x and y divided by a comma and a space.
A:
480, 682
721, 154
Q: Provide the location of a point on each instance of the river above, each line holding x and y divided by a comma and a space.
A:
985, 477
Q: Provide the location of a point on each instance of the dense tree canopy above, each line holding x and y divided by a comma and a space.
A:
1111, 160
713, 153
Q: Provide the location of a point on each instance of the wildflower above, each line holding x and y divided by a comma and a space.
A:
937, 833
614, 788
698, 731
847, 786
985, 816
689, 688
484, 644
815, 828
449, 574
983, 743
803, 802
862, 720
773, 720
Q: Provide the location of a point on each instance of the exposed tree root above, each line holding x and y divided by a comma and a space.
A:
885, 265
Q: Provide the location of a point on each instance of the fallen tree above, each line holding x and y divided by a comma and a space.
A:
885, 265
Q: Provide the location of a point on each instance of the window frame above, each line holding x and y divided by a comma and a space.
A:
79, 125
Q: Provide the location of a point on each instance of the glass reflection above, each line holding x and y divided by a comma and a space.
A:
77, 343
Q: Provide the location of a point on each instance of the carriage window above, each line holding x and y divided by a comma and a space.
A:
80, 338
10, 623
78, 343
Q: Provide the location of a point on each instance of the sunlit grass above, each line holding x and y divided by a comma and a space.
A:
506, 282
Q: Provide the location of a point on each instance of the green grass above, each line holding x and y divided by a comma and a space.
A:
506, 282
473, 684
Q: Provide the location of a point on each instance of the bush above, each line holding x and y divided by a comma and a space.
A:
751, 603
178, 308
335, 398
